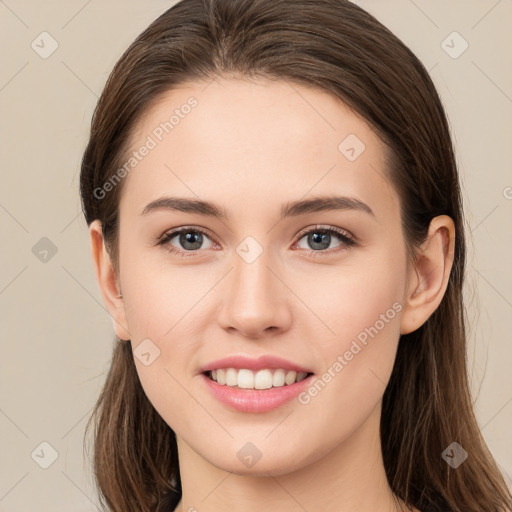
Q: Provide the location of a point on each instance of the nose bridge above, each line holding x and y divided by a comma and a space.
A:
255, 298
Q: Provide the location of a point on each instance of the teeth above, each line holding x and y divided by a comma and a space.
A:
262, 379
290, 378
246, 378
278, 378
231, 377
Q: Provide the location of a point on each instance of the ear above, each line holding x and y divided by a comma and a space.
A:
108, 281
428, 275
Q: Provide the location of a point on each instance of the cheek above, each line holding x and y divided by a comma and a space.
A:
159, 298
361, 305
160, 317
352, 296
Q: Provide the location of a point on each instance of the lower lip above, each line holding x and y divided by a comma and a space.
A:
255, 400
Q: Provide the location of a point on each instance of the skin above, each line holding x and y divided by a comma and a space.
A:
251, 146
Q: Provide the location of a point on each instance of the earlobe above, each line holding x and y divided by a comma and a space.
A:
429, 274
108, 281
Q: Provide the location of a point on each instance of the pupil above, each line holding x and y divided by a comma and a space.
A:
191, 237
320, 238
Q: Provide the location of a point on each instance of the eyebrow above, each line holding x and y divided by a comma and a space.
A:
289, 209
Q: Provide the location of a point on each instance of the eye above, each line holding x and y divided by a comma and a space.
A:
190, 239
319, 238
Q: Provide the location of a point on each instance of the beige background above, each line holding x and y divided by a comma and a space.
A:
56, 334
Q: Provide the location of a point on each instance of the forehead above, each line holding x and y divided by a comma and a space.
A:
258, 139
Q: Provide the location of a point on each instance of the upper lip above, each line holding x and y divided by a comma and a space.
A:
262, 362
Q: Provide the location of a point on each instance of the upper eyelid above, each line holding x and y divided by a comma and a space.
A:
320, 227
171, 233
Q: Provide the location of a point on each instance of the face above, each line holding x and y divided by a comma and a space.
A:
321, 288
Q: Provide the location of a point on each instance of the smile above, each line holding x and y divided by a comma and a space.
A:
251, 399
263, 379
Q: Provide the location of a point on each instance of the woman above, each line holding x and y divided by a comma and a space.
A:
276, 227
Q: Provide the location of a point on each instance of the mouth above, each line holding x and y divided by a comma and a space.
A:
255, 385
267, 378
246, 391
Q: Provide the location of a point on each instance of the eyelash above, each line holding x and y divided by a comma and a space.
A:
347, 239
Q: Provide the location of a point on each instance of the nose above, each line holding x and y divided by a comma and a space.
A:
256, 302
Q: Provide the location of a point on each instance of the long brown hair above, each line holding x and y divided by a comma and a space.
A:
335, 46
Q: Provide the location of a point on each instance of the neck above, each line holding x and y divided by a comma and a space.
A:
350, 478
